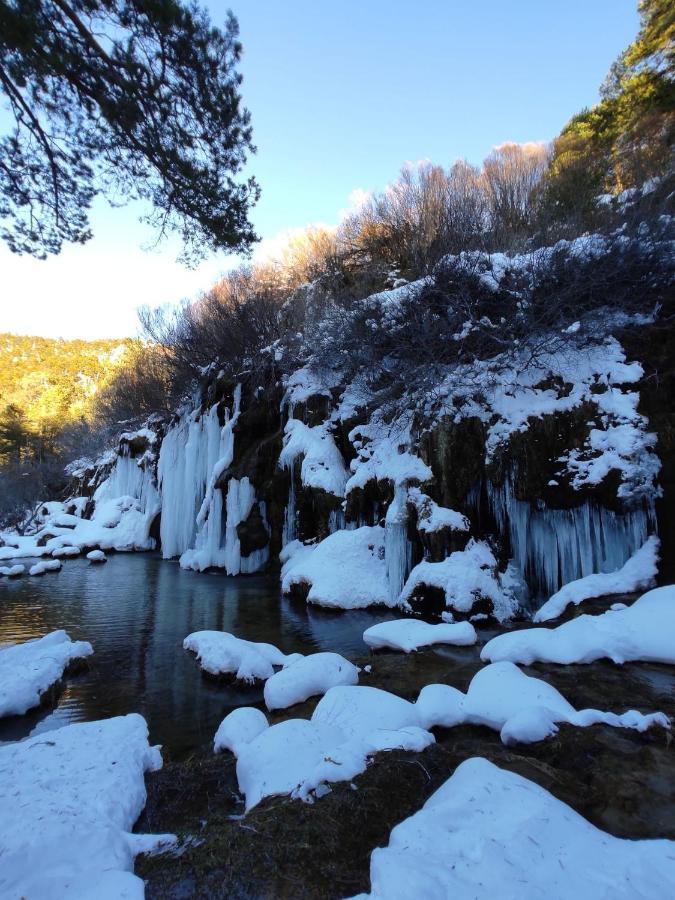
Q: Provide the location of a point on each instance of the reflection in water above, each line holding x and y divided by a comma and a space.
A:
136, 610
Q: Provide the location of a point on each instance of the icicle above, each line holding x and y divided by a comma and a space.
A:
129, 479
290, 529
554, 546
336, 521
397, 547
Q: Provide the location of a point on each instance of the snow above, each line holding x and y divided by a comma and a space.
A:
308, 676
68, 802
66, 551
383, 454
49, 565
322, 465
97, 556
299, 756
411, 634
221, 653
240, 727
432, 517
636, 574
347, 570
644, 631
464, 577
506, 394
523, 709
303, 384
490, 833
27, 670
119, 521
12, 571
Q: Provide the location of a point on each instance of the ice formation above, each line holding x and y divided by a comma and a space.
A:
552, 547
487, 832
636, 574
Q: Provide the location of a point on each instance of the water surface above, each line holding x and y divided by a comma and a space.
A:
136, 610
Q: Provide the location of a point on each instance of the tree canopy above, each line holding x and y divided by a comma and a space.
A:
628, 136
136, 99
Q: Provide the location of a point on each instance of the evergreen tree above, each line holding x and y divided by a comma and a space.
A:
132, 98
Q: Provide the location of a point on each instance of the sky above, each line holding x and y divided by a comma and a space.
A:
341, 96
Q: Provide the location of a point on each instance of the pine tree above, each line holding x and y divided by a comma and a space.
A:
131, 98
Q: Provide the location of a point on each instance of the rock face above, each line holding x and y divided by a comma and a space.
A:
557, 475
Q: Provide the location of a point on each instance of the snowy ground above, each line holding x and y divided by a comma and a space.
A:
489, 833
28, 670
68, 802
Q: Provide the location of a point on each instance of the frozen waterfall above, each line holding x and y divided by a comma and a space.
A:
552, 547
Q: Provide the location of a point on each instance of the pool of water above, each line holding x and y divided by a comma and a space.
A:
136, 610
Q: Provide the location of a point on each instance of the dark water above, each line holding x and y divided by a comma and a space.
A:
136, 610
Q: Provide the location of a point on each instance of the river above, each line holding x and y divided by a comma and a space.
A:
136, 610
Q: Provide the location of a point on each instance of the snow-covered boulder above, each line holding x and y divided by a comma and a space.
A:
28, 670
97, 556
644, 631
638, 573
464, 577
521, 708
300, 756
48, 565
347, 570
66, 551
411, 634
490, 833
68, 803
221, 653
15, 571
239, 727
307, 677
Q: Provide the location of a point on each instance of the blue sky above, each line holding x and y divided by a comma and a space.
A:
341, 96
